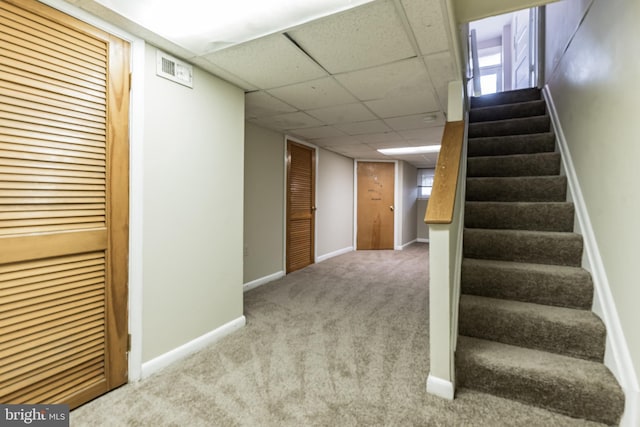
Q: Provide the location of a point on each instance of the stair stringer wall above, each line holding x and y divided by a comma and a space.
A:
617, 356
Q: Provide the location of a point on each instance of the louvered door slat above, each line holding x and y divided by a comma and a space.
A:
63, 83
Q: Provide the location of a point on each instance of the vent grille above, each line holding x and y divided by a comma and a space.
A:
173, 69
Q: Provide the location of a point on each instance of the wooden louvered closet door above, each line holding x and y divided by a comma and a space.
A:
300, 206
64, 96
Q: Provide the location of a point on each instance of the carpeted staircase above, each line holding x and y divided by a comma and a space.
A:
526, 330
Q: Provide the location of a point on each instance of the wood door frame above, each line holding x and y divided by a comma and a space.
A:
284, 198
136, 175
396, 200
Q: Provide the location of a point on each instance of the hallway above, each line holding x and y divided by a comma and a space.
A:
343, 342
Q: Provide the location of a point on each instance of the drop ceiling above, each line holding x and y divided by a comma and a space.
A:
374, 76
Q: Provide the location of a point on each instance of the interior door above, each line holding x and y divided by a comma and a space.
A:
521, 49
64, 99
300, 206
376, 183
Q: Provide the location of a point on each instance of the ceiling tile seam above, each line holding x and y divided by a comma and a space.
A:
402, 14
297, 45
297, 110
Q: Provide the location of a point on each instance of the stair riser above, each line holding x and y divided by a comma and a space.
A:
546, 164
585, 340
517, 190
524, 126
507, 145
571, 399
514, 216
537, 248
502, 112
573, 290
506, 98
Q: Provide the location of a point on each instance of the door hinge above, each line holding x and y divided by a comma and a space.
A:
130, 78
129, 342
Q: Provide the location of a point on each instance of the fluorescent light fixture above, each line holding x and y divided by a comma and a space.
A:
410, 150
204, 26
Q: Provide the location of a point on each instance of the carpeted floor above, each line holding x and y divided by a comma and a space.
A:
340, 343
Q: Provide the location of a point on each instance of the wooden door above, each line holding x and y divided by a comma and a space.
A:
376, 181
64, 99
300, 205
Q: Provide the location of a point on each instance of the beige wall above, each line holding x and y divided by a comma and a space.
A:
409, 190
422, 228
334, 196
263, 202
192, 208
595, 88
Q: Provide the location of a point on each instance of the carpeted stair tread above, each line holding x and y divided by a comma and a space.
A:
537, 247
507, 111
510, 97
519, 126
511, 144
561, 330
556, 285
537, 216
578, 388
536, 164
517, 189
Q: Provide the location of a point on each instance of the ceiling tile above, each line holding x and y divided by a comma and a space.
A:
361, 37
361, 128
416, 121
428, 136
223, 74
288, 121
387, 138
420, 160
419, 102
343, 114
268, 62
317, 132
442, 72
261, 104
428, 24
396, 79
337, 140
315, 94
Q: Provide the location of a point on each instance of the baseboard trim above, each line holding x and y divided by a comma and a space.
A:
262, 281
403, 247
154, 365
334, 254
439, 387
617, 356
422, 240
631, 416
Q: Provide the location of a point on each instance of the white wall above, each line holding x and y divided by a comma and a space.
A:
595, 88
263, 202
409, 190
193, 186
334, 196
422, 228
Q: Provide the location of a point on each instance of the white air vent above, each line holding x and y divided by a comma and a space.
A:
173, 69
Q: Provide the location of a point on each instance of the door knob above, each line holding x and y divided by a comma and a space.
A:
391, 207
313, 208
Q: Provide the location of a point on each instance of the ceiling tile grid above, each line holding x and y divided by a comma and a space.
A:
374, 76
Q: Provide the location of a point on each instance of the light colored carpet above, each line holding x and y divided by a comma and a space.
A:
340, 343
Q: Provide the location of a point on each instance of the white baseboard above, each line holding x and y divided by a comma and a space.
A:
262, 281
617, 355
161, 362
440, 387
631, 416
422, 240
334, 254
402, 247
